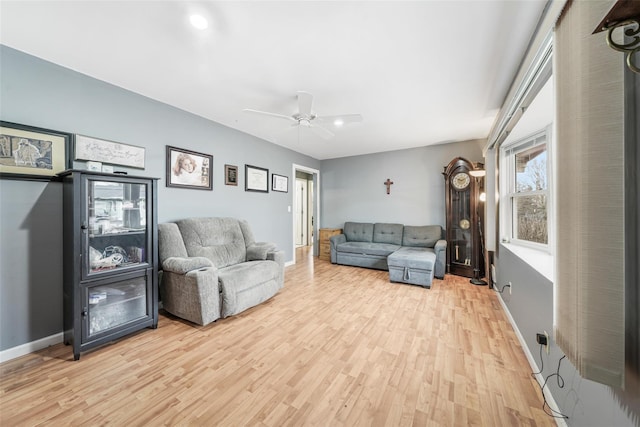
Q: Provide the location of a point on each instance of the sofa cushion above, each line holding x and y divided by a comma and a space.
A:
358, 231
219, 239
387, 233
424, 236
413, 257
379, 249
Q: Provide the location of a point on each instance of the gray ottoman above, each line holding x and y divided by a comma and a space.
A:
412, 265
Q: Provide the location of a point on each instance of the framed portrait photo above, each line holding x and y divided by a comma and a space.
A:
279, 183
256, 179
230, 175
189, 169
32, 153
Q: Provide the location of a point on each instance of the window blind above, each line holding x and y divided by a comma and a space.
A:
589, 288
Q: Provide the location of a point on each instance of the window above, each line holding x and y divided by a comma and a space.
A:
526, 181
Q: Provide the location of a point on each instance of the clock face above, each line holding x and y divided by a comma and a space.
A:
460, 181
464, 224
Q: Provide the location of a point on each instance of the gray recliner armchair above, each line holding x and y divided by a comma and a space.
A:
213, 268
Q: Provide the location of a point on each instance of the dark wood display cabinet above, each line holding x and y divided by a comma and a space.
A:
110, 257
463, 218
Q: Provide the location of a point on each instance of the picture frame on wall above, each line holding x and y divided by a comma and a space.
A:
115, 153
256, 179
230, 175
279, 183
32, 153
189, 169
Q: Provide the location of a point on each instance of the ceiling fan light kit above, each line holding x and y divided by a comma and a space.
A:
306, 118
199, 22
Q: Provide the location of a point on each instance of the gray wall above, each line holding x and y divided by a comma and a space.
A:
531, 305
353, 187
38, 93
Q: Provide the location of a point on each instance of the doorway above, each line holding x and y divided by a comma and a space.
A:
306, 210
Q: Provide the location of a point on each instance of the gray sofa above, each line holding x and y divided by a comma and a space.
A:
411, 254
213, 268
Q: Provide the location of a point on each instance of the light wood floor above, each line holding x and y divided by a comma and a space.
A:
338, 346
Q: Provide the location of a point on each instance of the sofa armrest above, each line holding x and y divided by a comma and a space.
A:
258, 251
181, 265
440, 249
335, 241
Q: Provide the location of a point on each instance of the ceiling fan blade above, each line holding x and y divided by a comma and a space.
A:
305, 101
266, 113
341, 119
322, 132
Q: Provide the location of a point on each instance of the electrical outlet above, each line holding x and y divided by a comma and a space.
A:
546, 335
510, 288
543, 339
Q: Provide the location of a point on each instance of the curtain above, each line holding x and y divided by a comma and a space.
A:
589, 279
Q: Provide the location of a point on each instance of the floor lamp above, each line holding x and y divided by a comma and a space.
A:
478, 173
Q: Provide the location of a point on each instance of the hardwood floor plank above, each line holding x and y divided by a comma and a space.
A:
339, 346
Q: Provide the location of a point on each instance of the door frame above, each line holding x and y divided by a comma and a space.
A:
315, 173
303, 230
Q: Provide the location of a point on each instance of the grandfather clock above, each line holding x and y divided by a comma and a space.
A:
464, 248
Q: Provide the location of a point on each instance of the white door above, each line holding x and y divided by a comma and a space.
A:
310, 218
301, 212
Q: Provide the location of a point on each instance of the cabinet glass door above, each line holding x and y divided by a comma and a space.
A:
461, 225
115, 304
116, 226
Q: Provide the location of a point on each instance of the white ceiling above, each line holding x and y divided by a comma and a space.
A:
420, 72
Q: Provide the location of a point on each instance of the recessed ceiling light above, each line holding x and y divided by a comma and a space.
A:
198, 21
338, 122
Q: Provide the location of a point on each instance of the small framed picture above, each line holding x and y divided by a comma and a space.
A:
279, 183
32, 153
256, 179
189, 169
230, 175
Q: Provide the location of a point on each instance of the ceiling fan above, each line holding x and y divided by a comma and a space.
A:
305, 117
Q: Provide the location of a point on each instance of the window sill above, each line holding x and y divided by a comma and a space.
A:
540, 261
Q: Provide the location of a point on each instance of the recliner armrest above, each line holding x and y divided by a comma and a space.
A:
181, 265
258, 251
440, 246
277, 256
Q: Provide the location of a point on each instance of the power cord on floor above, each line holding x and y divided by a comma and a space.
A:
545, 404
541, 364
497, 289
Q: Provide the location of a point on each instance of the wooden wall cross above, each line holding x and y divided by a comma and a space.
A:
388, 183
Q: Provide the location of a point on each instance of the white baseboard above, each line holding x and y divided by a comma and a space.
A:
532, 362
30, 347
289, 263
